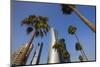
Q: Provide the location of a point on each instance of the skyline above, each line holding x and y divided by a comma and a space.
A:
23, 9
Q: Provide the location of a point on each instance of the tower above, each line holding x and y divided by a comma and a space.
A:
53, 56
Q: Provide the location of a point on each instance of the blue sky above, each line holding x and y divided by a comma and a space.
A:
58, 21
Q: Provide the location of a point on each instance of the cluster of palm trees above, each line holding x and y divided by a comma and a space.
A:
68, 9
78, 46
38, 26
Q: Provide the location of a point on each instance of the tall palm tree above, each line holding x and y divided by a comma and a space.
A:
68, 9
38, 26
59, 46
78, 46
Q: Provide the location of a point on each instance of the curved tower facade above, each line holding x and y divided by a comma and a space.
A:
53, 56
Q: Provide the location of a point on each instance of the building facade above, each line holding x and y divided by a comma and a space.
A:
53, 56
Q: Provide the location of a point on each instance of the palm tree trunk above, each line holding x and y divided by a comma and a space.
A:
30, 42
83, 54
76, 37
86, 21
82, 51
23, 55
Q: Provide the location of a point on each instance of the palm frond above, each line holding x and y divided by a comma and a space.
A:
43, 18
29, 20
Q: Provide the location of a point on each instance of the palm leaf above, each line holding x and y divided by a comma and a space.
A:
29, 20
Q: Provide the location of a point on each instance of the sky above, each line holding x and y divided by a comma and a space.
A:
59, 22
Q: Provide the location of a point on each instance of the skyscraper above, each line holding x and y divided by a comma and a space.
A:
53, 56
16, 58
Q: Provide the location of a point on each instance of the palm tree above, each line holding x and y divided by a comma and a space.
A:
59, 46
66, 54
38, 26
78, 46
68, 9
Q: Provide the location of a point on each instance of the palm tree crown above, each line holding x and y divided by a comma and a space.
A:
80, 58
78, 46
71, 29
66, 8
66, 54
37, 23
